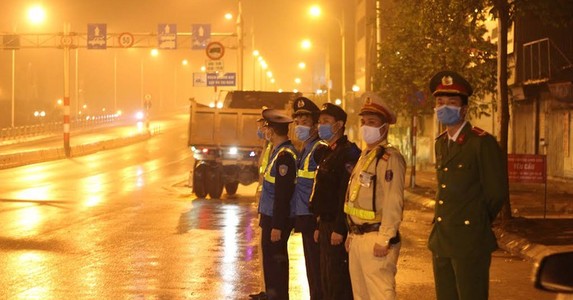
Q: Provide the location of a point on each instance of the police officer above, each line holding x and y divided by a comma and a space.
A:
263, 162
472, 188
374, 205
328, 200
305, 114
274, 205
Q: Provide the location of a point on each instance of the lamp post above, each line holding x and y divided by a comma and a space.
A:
315, 11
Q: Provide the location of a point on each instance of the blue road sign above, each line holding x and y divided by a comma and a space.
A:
167, 36
97, 36
200, 36
227, 79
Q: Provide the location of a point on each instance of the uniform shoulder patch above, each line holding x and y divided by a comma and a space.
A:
283, 170
478, 131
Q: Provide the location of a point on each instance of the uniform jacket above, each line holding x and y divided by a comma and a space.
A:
331, 182
472, 188
275, 197
387, 174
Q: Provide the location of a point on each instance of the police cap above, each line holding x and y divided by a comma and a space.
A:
274, 117
450, 83
372, 103
304, 106
335, 111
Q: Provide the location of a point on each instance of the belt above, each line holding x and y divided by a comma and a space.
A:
371, 227
364, 228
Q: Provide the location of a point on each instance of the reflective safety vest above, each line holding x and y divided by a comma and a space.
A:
266, 202
305, 172
271, 177
354, 186
265, 158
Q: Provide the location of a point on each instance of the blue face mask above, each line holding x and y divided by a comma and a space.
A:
260, 134
302, 132
325, 131
448, 114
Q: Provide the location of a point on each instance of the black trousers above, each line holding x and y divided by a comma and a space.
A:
312, 262
334, 272
275, 261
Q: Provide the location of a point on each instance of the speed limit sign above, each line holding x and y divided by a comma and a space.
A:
126, 40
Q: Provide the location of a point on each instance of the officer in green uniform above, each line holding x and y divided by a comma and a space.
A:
472, 187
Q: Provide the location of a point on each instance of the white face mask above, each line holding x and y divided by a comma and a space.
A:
370, 134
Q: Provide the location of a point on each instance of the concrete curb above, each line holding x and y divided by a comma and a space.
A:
24, 158
507, 241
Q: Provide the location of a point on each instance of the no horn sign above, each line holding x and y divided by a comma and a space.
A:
215, 50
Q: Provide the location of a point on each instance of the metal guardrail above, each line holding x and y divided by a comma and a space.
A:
53, 128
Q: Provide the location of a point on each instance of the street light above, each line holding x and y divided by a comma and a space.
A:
315, 11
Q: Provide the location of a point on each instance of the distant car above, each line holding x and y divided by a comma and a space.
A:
554, 273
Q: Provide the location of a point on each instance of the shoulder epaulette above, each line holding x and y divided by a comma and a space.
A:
478, 131
441, 134
383, 154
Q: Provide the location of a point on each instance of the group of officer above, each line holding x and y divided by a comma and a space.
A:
348, 204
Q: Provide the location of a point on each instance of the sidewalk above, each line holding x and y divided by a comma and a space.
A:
527, 234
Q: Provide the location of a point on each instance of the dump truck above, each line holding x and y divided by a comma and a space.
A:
223, 140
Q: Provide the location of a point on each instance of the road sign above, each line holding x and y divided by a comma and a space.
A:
167, 36
214, 66
215, 50
97, 36
199, 79
528, 168
201, 35
227, 79
126, 40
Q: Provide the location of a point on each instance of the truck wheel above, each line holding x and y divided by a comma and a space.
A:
215, 183
199, 177
231, 188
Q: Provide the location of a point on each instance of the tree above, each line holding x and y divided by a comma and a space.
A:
421, 38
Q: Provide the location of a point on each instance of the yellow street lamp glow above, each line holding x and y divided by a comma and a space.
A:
302, 65
184, 62
154, 52
264, 65
203, 68
228, 16
273, 80
355, 88
306, 44
36, 14
297, 80
256, 53
314, 11
269, 74
338, 102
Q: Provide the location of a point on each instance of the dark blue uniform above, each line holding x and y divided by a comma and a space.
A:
274, 207
327, 204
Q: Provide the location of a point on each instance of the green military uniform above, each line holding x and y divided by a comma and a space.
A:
472, 188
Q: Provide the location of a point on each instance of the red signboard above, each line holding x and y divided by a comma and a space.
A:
528, 168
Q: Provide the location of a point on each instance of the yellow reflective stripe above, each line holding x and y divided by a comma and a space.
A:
304, 172
265, 160
268, 176
360, 213
354, 187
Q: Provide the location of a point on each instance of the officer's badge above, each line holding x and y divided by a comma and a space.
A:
447, 80
300, 103
389, 175
324, 106
368, 101
283, 169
